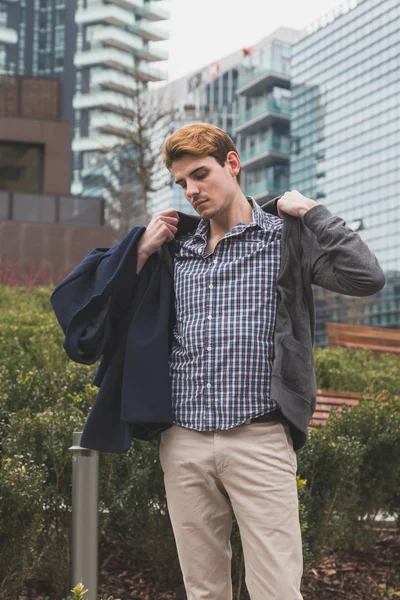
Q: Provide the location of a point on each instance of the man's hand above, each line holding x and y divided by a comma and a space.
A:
295, 204
162, 228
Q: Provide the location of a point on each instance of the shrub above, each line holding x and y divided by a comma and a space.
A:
356, 370
21, 508
348, 470
352, 469
132, 492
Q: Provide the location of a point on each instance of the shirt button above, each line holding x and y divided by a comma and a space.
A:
209, 349
211, 287
215, 261
209, 317
208, 385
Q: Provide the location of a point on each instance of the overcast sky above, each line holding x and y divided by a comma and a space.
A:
203, 31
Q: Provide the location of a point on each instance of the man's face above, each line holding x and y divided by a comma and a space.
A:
208, 187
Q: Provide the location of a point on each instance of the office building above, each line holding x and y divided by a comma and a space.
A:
263, 123
205, 95
246, 93
345, 121
102, 50
44, 232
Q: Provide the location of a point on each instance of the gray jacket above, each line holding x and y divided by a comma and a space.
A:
317, 249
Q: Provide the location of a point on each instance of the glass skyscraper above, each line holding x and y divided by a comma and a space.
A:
263, 125
345, 124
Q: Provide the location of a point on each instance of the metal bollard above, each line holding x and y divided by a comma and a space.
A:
85, 516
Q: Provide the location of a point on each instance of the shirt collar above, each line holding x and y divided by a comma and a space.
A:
258, 219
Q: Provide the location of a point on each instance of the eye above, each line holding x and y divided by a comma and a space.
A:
202, 176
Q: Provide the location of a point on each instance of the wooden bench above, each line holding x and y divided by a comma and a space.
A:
376, 339
328, 400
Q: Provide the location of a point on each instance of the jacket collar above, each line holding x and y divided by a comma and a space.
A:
188, 223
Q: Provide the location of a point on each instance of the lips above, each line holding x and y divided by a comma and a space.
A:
199, 203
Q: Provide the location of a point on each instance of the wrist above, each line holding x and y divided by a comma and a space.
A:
309, 204
143, 254
142, 250
142, 257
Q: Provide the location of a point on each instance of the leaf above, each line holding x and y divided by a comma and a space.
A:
329, 571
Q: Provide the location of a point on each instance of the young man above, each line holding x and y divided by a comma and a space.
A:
214, 337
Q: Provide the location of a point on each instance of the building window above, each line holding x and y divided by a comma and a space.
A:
21, 167
3, 56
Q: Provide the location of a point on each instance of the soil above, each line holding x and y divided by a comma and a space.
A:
370, 575
373, 574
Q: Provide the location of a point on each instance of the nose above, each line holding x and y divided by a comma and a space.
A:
192, 190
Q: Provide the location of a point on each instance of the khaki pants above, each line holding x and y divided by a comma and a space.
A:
253, 469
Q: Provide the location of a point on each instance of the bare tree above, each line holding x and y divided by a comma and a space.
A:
132, 169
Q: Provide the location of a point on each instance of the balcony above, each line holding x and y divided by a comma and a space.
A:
152, 52
149, 32
260, 78
104, 143
265, 190
111, 123
152, 12
110, 57
114, 15
8, 36
114, 36
144, 72
129, 4
115, 80
266, 153
263, 114
106, 100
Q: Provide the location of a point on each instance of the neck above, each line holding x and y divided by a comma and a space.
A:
239, 210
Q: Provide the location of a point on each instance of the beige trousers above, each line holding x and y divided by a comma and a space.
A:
252, 470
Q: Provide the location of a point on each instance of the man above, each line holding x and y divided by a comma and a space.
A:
214, 336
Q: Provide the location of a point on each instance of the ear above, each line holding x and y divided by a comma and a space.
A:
233, 162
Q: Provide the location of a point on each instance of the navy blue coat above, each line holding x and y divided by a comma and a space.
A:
106, 310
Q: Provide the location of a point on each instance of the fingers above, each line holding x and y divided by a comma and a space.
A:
166, 231
168, 216
169, 235
170, 220
170, 212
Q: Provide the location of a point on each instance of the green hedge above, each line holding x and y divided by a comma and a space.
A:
356, 371
349, 470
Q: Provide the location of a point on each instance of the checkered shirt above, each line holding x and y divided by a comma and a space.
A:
226, 303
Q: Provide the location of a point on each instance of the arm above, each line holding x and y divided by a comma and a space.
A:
90, 300
339, 259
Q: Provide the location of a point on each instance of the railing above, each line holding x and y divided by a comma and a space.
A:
260, 72
282, 146
265, 186
51, 209
153, 12
283, 108
150, 32
145, 71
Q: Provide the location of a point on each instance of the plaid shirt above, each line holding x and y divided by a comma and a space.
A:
226, 303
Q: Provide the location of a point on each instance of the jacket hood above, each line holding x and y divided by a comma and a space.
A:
189, 222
